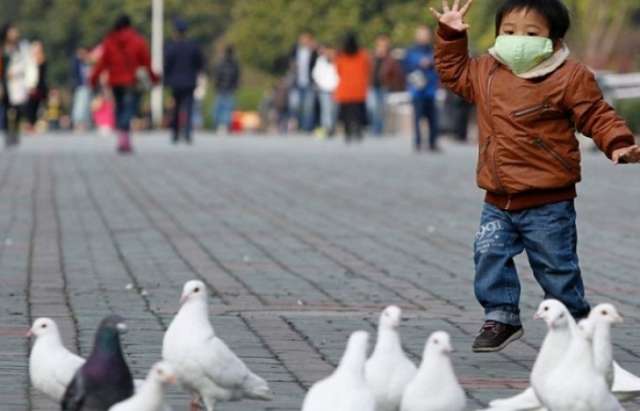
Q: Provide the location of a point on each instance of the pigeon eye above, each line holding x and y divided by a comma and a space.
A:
605, 312
44, 325
197, 289
436, 342
546, 308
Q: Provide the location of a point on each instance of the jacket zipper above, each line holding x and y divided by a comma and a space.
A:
540, 107
493, 157
540, 143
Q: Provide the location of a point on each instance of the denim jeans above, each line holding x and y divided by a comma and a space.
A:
376, 106
127, 100
302, 101
328, 111
425, 108
548, 234
223, 110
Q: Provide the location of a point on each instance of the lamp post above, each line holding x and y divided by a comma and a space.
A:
157, 52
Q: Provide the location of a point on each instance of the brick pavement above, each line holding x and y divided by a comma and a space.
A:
301, 242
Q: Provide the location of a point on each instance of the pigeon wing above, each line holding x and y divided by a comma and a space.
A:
222, 365
74, 396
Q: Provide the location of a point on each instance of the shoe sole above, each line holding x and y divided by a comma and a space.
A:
515, 337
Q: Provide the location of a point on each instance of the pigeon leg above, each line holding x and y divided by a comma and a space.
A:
195, 404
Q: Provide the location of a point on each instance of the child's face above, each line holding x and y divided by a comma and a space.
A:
524, 22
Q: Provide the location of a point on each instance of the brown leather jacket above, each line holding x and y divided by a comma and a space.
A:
529, 154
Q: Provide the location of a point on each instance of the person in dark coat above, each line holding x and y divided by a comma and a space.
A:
182, 64
226, 77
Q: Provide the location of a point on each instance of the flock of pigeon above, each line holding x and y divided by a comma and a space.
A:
574, 370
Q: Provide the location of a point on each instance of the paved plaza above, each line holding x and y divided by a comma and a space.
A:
300, 241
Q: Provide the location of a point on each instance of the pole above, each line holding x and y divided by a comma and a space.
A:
157, 52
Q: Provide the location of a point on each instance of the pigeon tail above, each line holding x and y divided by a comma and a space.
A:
257, 388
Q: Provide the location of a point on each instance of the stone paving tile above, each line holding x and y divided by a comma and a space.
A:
300, 242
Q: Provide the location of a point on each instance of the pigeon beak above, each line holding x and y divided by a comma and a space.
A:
172, 380
536, 316
618, 319
184, 299
122, 328
29, 334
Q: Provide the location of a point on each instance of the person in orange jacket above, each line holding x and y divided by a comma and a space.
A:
126, 59
354, 69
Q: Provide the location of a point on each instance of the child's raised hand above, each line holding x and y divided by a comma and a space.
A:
453, 16
627, 155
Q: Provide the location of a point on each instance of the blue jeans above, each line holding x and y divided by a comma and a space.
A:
376, 106
328, 111
223, 109
302, 101
127, 100
183, 99
548, 234
425, 107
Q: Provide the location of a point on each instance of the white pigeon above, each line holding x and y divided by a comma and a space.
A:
345, 389
625, 386
575, 384
150, 395
435, 386
560, 326
389, 370
203, 363
51, 365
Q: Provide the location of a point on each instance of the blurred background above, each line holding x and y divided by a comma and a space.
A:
605, 35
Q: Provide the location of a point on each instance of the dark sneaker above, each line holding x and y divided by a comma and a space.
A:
495, 336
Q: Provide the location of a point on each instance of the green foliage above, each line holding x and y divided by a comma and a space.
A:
630, 111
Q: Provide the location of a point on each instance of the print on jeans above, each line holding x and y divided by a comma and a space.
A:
487, 236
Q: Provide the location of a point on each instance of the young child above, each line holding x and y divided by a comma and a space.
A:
531, 99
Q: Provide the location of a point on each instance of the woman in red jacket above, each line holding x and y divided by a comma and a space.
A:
124, 54
354, 68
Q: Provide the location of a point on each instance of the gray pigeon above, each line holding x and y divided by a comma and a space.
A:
104, 379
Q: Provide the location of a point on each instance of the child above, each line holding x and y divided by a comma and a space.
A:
531, 99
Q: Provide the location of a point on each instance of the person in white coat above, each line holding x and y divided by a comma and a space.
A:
325, 75
19, 76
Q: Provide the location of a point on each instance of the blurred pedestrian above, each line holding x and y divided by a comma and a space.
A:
387, 76
325, 75
54, 110
354, 68
39, 94
19, 77
182, 63
422, 80
126, 59
226, 79
303, 96
81, 109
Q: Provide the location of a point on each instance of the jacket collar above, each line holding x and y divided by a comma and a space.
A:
546, 67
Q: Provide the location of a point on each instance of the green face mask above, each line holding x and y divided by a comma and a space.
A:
522, 53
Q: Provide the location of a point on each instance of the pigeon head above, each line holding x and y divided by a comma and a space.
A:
193, 290
43, 327
554, 313
355, 355
391, 317
606, 313
108, 334
439, 343
163, 373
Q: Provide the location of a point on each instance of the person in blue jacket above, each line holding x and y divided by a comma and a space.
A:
183, 62
422, 82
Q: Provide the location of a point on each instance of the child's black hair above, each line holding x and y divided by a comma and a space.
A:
554, 11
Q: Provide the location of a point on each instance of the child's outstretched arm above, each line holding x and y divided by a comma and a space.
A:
595, 118
456, 68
